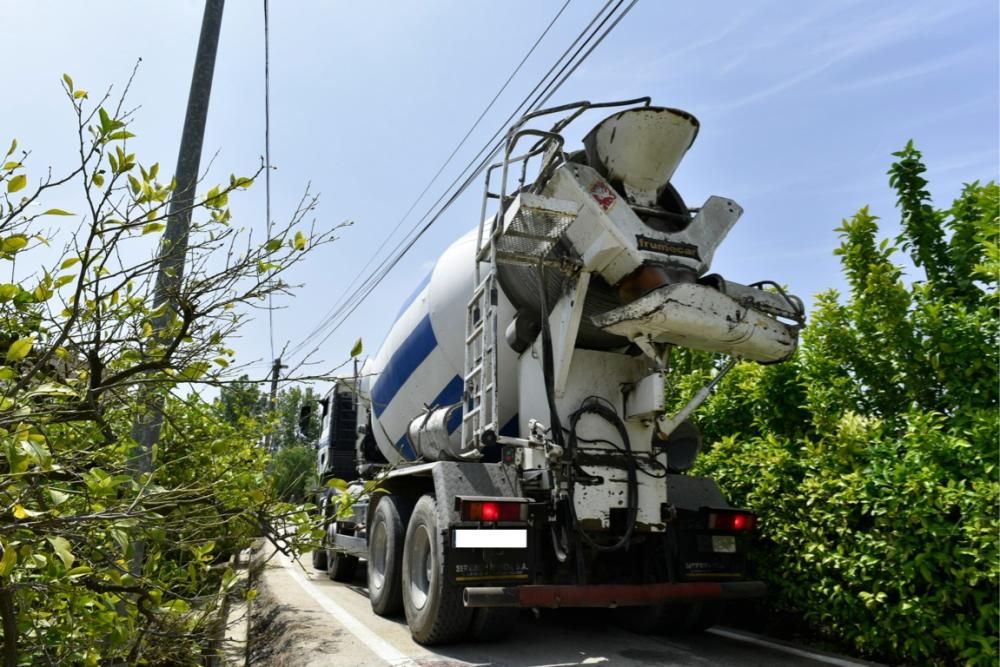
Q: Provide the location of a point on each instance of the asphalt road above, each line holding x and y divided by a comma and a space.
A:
339, 628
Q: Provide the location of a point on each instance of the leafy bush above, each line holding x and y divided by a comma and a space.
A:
292, 474
111, 553
871, 457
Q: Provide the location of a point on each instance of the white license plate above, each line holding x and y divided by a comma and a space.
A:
724, 544
486, 538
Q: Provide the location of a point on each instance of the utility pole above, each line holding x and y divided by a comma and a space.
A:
275, 372
173, 246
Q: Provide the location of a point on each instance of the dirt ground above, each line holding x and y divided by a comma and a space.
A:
293, 632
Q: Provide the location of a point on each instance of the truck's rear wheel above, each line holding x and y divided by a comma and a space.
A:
385, 555
433, 605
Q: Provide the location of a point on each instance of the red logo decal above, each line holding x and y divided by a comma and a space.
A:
603, 195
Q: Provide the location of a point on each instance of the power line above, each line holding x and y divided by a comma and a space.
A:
389, 263
378, 273
338, 303
267, 163
568, 68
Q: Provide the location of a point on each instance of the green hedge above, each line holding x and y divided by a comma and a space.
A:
871, 457
883, 542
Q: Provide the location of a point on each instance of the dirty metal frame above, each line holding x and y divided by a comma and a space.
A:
481, 333
550, 142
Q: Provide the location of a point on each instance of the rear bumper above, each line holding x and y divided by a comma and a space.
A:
609, 595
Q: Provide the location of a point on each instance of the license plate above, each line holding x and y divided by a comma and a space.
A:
484, 538
724, 544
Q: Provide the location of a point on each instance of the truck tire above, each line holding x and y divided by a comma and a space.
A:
339, 566
644, 620
699, 616
319, 559
490, 624
319, 553
385, 554
433, 605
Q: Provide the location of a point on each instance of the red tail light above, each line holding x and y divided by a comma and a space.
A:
736, 522
493, 510
490, 512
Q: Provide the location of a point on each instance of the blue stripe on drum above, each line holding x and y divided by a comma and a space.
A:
403, 447
450, 395
512, 428
408, 356
413, 297
454, 421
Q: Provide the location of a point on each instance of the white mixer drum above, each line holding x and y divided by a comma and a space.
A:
420, 363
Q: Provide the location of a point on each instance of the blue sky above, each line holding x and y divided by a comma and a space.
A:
801, 105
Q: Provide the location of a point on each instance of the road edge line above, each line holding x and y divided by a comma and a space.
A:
381, 648
784, 648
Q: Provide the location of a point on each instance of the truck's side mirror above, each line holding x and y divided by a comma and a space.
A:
304, 413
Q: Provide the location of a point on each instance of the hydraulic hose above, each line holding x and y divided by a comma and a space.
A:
548, 371
592, 407
596, 407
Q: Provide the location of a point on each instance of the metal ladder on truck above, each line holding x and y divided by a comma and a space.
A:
523, 230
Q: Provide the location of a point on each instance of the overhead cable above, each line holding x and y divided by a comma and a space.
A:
333, 321
444, 165
267, 164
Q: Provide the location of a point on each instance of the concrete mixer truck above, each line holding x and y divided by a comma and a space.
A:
510, 445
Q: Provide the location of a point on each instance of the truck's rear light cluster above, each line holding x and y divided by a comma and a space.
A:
493, 510
736, 522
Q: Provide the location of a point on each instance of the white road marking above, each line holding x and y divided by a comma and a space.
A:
373, 642
396, 658
791, 650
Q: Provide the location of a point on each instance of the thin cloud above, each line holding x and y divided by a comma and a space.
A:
770, 39
653, 65
966, 161
850, 45
935, 115
904, 73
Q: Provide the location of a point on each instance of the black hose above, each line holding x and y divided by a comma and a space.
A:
558, 544
596, 407
592, 405
548, 372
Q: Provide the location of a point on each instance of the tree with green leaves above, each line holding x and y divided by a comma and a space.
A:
287, 431
241, 399
871, 456
292, 472
79, 361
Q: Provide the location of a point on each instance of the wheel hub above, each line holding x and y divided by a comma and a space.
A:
420, 568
